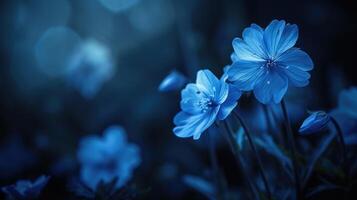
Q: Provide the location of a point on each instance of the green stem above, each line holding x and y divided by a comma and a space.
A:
252, 145
293, 150
228, 133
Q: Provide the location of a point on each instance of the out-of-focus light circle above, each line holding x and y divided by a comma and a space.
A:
118, 5
152, 17
55, 48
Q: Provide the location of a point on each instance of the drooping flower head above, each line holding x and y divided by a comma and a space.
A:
202, 103
317, 121
108, 158
173, 81
266, 62
25, 189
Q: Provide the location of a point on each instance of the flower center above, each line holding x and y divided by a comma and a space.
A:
205, 104
270, 63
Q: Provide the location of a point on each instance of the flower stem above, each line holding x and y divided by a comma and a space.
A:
228, 133
251, 143
220, 189
341, 139
293, 150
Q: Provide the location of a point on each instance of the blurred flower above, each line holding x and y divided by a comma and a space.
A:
317, 121
202, 103
25, 189
108, 158
347, 102
265, 61
346, 114
201, 185
90, 67
174, 81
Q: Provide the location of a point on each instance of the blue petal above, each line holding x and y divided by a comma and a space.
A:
271, 88
253, 36
245, 74
174, 81
234, 57
296, 76
230, 103
190, 91
296, 58
288, 38
193, 125
191, 106
221, 93
207, 81
272, 35
244, 52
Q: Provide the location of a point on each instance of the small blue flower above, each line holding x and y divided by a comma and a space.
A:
202, 103
317, 121
105, 159
174, 81
90, 68
25, 189
265, 61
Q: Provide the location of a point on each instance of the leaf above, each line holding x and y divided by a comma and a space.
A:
267, 143
316, 156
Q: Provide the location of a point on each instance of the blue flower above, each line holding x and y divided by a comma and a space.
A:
265, 61
174, 81
202, 103
108, 158
90, 68
25, 189
317, 121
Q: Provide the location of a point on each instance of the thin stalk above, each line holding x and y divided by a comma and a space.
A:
252, 145
228, 133
220, 190
345, 166
293, 150
341, 138
267, 119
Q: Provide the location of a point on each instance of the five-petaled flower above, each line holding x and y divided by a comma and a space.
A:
108, 158
202, 103
265, 61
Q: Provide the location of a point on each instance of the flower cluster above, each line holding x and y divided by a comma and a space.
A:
265, 61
